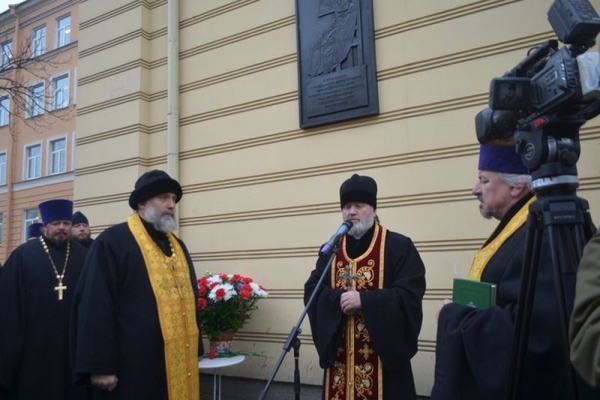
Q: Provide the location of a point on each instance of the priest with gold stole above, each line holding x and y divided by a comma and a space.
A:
135, 324
473, 350
367, 314
36, 293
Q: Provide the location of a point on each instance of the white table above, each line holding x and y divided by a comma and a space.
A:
216, 364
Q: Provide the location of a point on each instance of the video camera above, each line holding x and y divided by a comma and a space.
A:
549, 90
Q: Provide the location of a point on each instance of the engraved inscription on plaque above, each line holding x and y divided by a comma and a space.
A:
336, 61
341, 91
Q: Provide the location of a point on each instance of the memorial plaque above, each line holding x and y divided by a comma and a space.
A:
337, 77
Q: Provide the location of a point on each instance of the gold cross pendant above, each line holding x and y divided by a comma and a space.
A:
60, 289
347, 278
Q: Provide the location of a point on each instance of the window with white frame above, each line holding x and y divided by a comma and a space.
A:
60, 92
29, 217
58, 156
38, 41
35, 100
63, 31
33, 161
3, 168
4, 110
6, 53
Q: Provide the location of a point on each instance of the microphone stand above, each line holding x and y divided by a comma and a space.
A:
292, 340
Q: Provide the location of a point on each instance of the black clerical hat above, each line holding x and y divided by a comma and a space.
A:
151, 184
34, 230
56, 210
358, 188
79, 218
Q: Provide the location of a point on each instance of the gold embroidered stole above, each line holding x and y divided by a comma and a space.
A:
357, 372
176, 303
484, 255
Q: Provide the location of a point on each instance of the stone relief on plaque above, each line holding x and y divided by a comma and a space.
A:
336, 61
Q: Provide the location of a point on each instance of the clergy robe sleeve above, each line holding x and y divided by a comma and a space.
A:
585, 321
94, 325
325, 314
478, 342
394, 314
12, 327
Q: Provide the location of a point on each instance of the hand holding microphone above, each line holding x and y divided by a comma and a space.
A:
342, 230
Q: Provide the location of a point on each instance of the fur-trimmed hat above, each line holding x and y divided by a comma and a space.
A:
151, 184
79, 218
56, 210
358, 188
501, 159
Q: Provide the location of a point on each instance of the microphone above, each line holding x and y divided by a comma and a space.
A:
342, 230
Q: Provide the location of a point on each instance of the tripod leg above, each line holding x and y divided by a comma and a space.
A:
531, 258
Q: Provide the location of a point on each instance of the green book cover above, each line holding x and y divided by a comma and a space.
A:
473, 293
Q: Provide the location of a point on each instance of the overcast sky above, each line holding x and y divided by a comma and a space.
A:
4, 4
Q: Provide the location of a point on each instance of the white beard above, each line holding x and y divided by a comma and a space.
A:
361, 227
162, 223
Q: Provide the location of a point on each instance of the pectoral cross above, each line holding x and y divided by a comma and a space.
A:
60, 289
347, 278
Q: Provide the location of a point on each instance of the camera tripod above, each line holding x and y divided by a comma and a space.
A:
566, 220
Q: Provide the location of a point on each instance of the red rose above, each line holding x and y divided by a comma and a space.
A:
220, 294
245, 294
212, 353
202, 304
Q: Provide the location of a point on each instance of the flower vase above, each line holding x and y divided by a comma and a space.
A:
222, 343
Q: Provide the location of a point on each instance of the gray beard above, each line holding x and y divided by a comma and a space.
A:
161, 223
484, 213
360, 228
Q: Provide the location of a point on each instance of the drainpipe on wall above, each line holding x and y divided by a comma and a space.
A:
173, 90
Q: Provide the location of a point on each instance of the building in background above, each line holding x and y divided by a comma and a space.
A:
38, 76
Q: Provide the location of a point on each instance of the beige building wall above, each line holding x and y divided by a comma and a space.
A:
53, 129
261, 195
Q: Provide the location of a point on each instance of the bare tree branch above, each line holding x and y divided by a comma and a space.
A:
26, 79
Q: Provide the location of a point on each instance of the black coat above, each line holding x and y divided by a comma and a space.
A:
34, 330
474, 347
116, 328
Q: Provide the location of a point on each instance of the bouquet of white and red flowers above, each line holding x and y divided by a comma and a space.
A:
226, 302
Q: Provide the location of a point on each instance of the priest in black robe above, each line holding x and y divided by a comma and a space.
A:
36, 293
135, 325
474, 346
367, 314
80, 230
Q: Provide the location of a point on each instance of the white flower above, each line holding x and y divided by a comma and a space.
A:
227, 287
257, 291
214, 279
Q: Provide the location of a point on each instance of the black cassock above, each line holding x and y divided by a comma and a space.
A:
116, 328
34, 332
473, 350
393, 315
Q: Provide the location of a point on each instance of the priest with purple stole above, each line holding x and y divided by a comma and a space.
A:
367, 315
36, 293
473, 350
